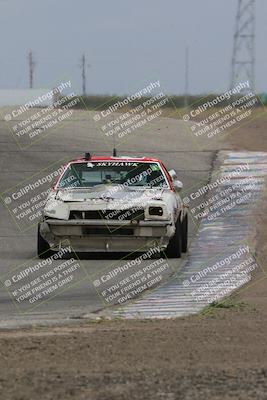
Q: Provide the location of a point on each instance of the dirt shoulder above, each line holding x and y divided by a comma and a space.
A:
218, 355
221, 355
253, 137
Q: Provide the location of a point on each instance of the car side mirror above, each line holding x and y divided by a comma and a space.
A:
172, 174
177, 185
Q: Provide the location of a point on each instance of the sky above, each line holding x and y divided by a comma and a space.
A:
127, 44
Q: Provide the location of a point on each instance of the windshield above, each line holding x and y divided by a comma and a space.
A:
133, 174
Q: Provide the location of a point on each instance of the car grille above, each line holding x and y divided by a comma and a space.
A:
128, 214
107, 232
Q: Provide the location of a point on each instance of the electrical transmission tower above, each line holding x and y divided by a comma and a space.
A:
31, 68
243, 60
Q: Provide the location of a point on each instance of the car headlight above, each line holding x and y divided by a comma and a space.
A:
155, 211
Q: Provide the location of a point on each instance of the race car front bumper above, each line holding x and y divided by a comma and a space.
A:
106, 236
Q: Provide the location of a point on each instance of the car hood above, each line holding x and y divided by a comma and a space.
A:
107, 197
107, 193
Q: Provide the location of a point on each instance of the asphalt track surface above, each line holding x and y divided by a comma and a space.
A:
164, 138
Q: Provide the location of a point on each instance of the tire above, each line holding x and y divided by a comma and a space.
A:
43, 248
174, 249
184, 236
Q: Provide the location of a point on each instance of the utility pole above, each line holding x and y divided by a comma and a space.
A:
31, 68
243, 59
84, 66
83, 75
186, 77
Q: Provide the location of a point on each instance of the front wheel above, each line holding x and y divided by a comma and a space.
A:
174, 249
43, 248
184, 231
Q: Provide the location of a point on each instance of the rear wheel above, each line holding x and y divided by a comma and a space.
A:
174, 249
184, 235
43, 248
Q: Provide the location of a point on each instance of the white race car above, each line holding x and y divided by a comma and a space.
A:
114, 204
